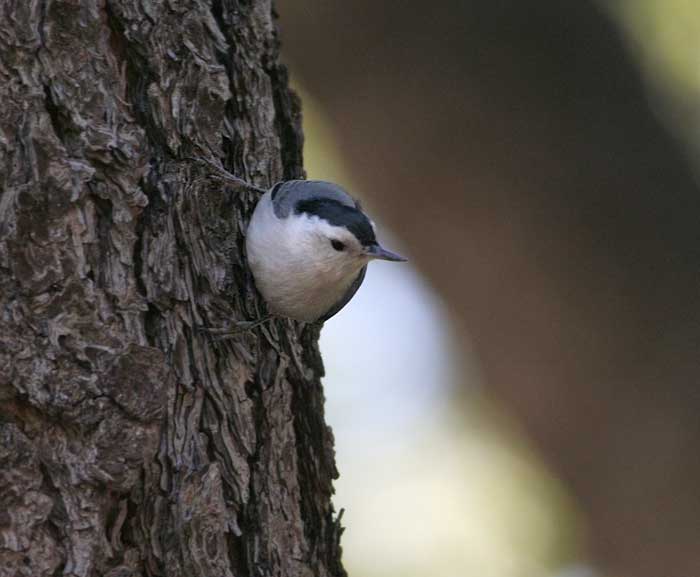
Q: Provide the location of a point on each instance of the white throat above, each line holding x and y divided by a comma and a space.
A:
296, 270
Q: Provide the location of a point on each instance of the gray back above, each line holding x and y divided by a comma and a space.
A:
286, 195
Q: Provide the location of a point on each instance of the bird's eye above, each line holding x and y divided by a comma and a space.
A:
337, 245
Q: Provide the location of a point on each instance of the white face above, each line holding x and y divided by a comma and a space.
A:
331, 251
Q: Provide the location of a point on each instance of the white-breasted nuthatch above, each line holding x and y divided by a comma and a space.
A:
308, 245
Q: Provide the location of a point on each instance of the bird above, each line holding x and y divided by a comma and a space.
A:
308, 244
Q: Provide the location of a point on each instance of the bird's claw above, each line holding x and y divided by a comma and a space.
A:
237, 328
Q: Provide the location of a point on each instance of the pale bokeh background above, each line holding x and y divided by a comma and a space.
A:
435, 479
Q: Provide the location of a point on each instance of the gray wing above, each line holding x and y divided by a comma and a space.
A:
346, 298
286, 195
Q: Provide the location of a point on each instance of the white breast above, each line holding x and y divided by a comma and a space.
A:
296, 278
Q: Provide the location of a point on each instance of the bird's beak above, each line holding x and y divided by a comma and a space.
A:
376, 251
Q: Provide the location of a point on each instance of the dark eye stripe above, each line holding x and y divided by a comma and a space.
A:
337, 245
337, 214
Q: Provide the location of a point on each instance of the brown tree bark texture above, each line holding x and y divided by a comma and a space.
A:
131, 442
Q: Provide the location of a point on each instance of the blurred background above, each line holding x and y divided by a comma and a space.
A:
439, 476
435, 478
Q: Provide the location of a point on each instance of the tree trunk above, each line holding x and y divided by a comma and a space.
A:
133, 443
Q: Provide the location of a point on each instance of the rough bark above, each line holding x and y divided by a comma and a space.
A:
132, 443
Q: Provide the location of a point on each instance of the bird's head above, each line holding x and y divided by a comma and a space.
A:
338, 237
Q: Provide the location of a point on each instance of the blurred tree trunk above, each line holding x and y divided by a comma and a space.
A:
131, 443
514, 147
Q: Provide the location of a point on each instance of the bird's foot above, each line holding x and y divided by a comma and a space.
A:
233, 330
221, 173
